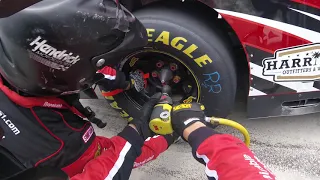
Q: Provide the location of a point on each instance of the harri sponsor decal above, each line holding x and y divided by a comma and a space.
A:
300, 63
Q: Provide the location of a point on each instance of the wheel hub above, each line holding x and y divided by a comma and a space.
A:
158, 70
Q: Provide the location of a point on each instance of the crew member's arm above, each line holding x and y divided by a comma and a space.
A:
9, 7
115, 163
152, 148
226, 157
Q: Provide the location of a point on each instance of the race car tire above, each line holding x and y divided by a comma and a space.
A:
202, 48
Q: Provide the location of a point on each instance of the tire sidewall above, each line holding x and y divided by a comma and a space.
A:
216, 79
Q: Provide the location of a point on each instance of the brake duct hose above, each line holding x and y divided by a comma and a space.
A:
233, 124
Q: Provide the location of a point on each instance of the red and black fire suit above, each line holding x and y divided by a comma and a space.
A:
49, 132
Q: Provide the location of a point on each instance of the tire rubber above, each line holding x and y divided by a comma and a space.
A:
210, 41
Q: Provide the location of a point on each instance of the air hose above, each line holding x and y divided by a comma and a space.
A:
233, 124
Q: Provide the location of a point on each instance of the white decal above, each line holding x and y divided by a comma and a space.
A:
255, 92
307, 14
256, 70
44, 53
304, 33
298, 63
135, 165
87, 135
8, 122
253, 162
50, 105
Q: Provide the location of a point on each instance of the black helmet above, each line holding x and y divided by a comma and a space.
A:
55, 47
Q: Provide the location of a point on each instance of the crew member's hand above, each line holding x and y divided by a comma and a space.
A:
186, 118
111, 79
121, 82
141, 125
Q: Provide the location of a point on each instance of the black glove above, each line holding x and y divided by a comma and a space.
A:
142, 123
107, 84
135, 81
184, 115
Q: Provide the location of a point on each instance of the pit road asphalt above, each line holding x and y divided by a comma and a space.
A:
289, 146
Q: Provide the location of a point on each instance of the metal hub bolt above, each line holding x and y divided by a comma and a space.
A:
173, 67
154, 74
160, 64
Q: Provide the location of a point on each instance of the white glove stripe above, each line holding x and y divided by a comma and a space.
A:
190, 120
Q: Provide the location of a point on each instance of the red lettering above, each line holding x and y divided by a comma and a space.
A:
156, 127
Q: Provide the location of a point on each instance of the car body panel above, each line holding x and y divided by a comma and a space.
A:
280, 41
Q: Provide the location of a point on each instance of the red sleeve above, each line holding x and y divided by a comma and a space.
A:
152, 148
226, 157
117, 161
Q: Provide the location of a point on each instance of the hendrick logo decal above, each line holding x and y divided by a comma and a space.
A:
48, 55
300, 63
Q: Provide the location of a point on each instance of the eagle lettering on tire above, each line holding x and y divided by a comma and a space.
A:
191, 42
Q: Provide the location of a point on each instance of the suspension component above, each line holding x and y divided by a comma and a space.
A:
165, 75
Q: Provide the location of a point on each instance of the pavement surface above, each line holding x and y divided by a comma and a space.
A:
289, 146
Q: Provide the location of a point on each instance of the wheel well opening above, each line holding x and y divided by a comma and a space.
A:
211, 16
208, 14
